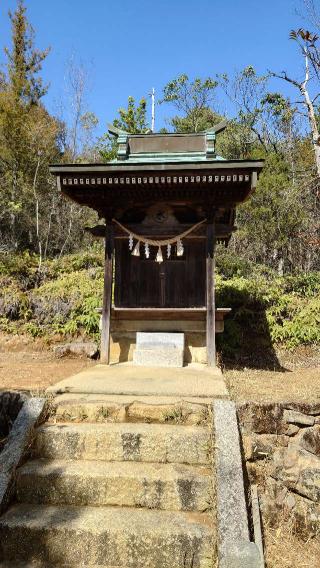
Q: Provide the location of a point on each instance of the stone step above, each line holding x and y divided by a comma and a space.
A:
92, 536
124, 442
103, 408
128, 484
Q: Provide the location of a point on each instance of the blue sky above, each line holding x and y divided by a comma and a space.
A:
130, 46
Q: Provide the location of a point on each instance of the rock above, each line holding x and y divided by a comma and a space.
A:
292, 430
295, 417
80, 349
262, 446
261, 418
312, 408
231, 506
277, 499
123, 484
241, 555
309, 440
92, 536
298, 470
10, 405
158, 357
17, 445
290, 501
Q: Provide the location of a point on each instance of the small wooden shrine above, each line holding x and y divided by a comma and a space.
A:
166, 200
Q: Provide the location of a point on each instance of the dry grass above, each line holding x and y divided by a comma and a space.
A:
300, 385
284, 549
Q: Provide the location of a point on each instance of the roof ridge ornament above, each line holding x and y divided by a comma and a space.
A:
211, 138
116, 131
218, 127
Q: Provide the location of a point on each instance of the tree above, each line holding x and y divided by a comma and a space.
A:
193, 99
262, 117
24, 61
310, 49
32, 212
133, 120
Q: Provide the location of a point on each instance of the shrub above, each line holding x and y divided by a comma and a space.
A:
266, 310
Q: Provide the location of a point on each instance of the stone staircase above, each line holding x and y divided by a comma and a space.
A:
116, 482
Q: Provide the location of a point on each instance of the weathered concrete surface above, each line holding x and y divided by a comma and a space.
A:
117, 408
124, 442
192, 381
241, 555
158, 357
126, 538
127, 484
235, 549
17, 445
150, 340
159, 349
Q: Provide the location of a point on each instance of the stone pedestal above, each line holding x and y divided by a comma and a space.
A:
159, 349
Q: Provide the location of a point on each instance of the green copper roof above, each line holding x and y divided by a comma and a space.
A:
167, 147
145, 157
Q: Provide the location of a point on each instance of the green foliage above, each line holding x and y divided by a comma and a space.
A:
268, 310
197, 120
193, 100
62, 299
32, 214
24, 61
133, 119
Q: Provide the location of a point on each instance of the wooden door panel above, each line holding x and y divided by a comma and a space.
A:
175, 283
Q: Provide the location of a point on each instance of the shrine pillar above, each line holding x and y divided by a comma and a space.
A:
107, 293
210, 295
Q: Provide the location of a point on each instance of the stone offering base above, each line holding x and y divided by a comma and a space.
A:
159, 349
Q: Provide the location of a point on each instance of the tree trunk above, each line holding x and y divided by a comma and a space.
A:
312, 118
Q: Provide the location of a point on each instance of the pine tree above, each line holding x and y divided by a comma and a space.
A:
24, 60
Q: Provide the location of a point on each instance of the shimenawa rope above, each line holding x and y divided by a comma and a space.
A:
163, 242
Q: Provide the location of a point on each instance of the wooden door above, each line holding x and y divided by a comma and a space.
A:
178, 282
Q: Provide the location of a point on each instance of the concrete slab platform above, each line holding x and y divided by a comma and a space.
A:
125, 379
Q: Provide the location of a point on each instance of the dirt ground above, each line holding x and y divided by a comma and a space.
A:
30, 365
34, 371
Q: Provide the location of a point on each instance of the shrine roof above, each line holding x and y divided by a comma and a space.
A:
163, 151
166, 147
153, 167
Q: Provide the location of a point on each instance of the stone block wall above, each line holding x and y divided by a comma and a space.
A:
281, 448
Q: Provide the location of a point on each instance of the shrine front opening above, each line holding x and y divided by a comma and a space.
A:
166, 201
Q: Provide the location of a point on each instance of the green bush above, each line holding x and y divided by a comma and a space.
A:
284, 311
266, 310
